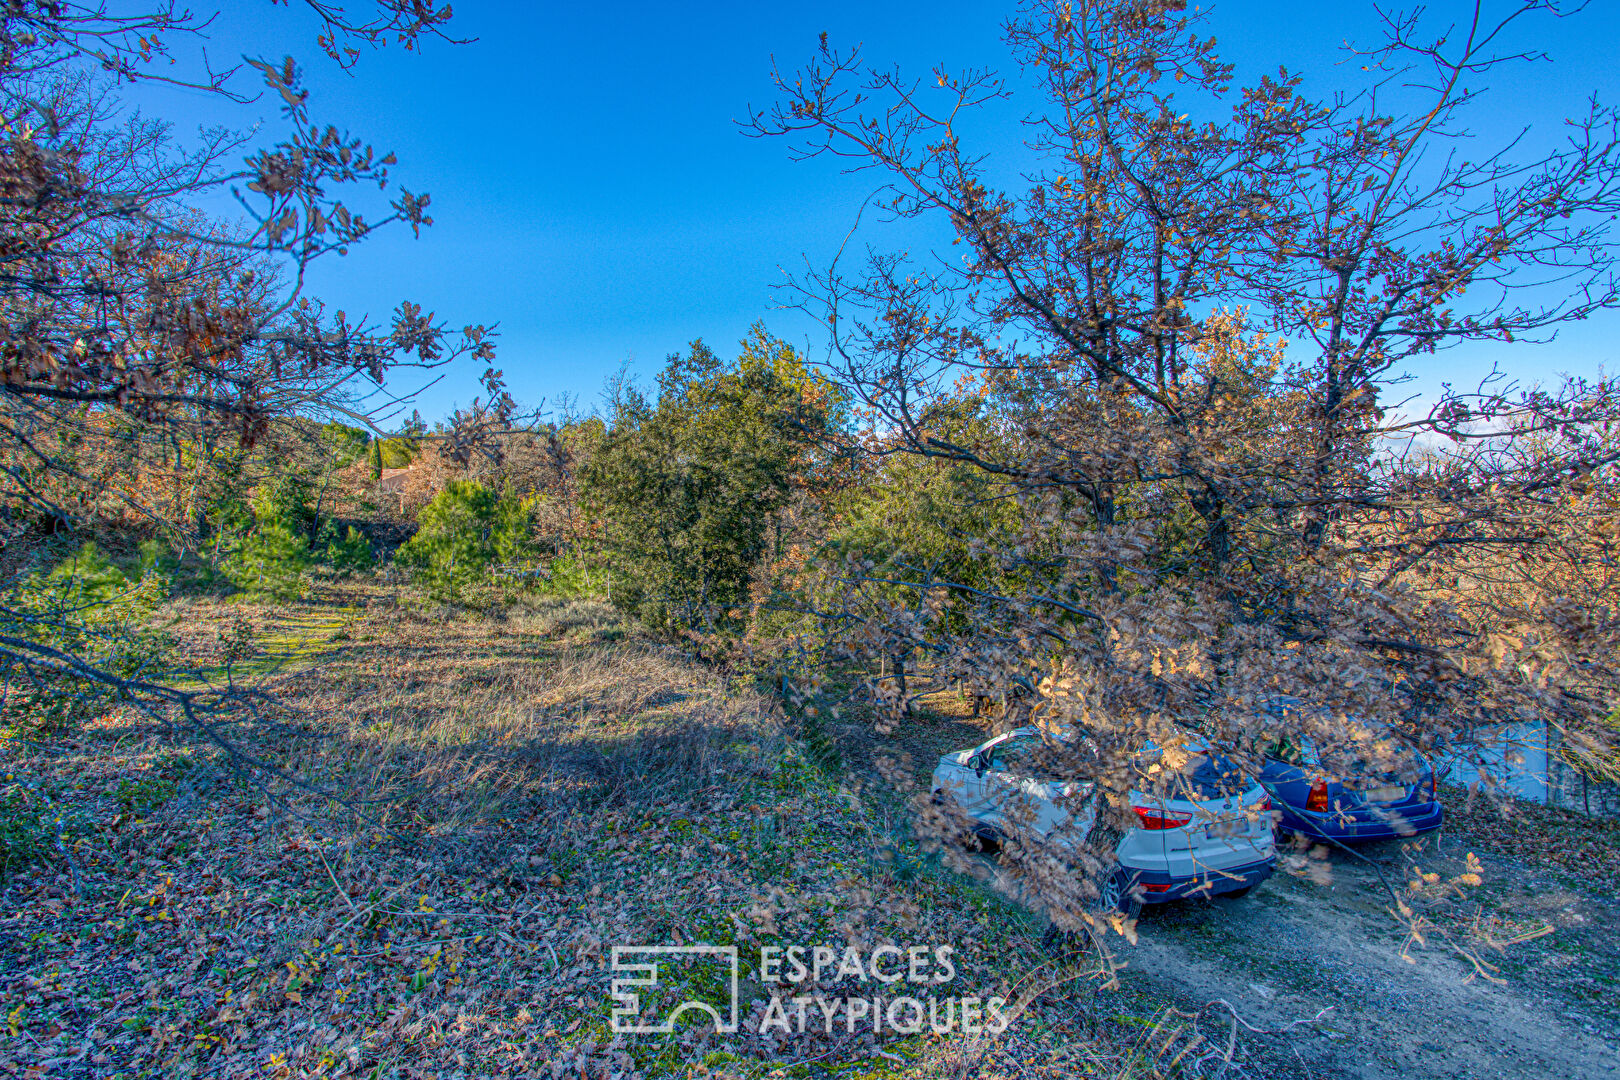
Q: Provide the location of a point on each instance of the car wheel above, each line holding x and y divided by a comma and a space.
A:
987, 838
1116, 895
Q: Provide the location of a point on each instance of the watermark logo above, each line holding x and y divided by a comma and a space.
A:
800, 987
654, 967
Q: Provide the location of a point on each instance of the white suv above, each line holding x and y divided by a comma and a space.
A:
1217, 840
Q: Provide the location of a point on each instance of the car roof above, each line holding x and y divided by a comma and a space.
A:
1191, 743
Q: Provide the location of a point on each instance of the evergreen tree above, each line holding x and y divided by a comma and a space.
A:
465, 530
687, 487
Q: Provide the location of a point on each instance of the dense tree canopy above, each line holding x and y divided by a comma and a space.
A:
687, 484
1188, 321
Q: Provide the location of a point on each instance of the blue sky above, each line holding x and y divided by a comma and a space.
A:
593, 195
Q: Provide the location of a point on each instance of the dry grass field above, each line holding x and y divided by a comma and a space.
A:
518, 795
517, 792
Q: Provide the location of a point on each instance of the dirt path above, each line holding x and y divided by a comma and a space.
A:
1295, 948
1326, 943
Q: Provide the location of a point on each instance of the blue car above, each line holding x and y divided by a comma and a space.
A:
1352, 808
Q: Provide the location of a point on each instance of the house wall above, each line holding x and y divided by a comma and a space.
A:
1569, 788
1514, 756
1523, 759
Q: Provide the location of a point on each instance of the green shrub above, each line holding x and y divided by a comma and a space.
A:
393, 453
265, 553
85, 578
22, 834
465, 530
572, 575
346, 444
269, 561
86, 588
145, 794
286, 501
686, 485
156, 556
90, 609
230, 514
350, 553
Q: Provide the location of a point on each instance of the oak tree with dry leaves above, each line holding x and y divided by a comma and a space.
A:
1192, 314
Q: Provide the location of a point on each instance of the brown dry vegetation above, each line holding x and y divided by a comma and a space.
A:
1131, 465
533, 791
524, 792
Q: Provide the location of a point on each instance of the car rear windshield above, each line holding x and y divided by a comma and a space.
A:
1192, 774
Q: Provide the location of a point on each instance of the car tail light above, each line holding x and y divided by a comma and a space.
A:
1150, 887
1264, 805
1161, 819
1317, 800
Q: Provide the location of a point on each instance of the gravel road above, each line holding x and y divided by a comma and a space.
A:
1322, 941
1299, 946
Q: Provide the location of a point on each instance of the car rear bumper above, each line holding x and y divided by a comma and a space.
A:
1392, 822
1157, 887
